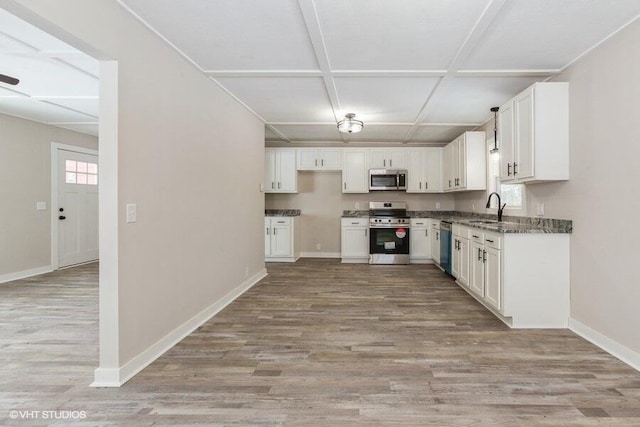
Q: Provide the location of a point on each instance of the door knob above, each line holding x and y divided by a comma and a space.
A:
62, 217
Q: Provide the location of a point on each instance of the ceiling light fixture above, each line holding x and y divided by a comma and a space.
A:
349, 124
495, 130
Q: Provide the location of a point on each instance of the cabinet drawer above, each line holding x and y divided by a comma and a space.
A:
476, 235
435, 225
493, 240
419, 222
460, 230
363, 222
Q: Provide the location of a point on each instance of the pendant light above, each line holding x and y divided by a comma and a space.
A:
349, 124
495, 130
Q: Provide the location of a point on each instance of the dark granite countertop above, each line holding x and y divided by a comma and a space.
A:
282, 212
509, 224
355, 214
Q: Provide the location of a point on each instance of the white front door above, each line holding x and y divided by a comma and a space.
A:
77, 208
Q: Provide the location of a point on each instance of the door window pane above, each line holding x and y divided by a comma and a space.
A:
70, 165
92, 179
92, 168
70, 178
82, 167
81, 178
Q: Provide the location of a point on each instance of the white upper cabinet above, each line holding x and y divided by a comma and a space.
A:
465, 163
533, 134
319, 158
355, 174
280, 171
389, 158
424, 170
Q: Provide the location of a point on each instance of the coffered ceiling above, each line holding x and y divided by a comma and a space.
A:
416, 71
58, 84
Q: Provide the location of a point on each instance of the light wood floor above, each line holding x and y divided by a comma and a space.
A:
315, 343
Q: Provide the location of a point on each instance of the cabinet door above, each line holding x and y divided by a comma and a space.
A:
355, 177
463, 267
506, 141
416, 171
455, 257
397, 158
523, 156
447, 167
433, 173
355, 242
378, 158
281, 238
476, 275
419, 242
435, 244
329, 158
267, 237
461, 162
269, 170
286, 171
307, 158
492, 278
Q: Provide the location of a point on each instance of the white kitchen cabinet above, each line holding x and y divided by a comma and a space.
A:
435, 241
533, 134
281, 240
523, 278
355, 173
420, 241
424, 170
355, 240
281, 175
460, 254
319, 159
464, 163
387, 158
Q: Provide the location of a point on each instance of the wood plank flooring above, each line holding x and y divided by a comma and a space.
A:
315, 343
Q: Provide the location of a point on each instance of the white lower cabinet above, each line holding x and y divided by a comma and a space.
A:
460, 254
280, 239
355, 240
420, 241
523, 278
435, 241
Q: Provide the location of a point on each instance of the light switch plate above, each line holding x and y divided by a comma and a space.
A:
132, 212
41, 206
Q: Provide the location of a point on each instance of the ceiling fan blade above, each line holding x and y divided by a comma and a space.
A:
8, 79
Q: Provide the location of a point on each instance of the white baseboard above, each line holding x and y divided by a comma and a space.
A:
115, 377
24, 274
319, 254
612, 347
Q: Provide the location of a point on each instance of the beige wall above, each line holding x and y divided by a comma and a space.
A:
25, 178
321, 200
602, 195
190, 157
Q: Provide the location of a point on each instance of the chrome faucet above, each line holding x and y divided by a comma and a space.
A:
500, 208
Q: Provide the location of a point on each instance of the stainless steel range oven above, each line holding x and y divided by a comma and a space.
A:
388, 233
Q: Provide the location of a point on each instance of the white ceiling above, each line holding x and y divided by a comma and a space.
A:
58, 84
416, 71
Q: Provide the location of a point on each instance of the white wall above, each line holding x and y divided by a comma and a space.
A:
602, 195
189, 156
321, 200
25, 178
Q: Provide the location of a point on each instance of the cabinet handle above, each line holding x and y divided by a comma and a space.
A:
426, 185
489, 240
322, 162
384, 162
479, 254
475, 237
274, 231
316, 162
355, 223
273, 185
281, 222
508, 169
449, 183
279, 185
420, 186
366, 232
484, 256
515, 168
437, 235
268, 231
391, 163
345, 185
426, 232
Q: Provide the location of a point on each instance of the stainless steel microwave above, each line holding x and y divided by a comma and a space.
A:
387, 179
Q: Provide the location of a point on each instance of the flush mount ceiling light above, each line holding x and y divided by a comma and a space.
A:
495, 130
349, 124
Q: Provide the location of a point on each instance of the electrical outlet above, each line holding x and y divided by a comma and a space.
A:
246, 272
318, 246
357, 205
437, 205
540, 209
132, 212
473, 207
41, 206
